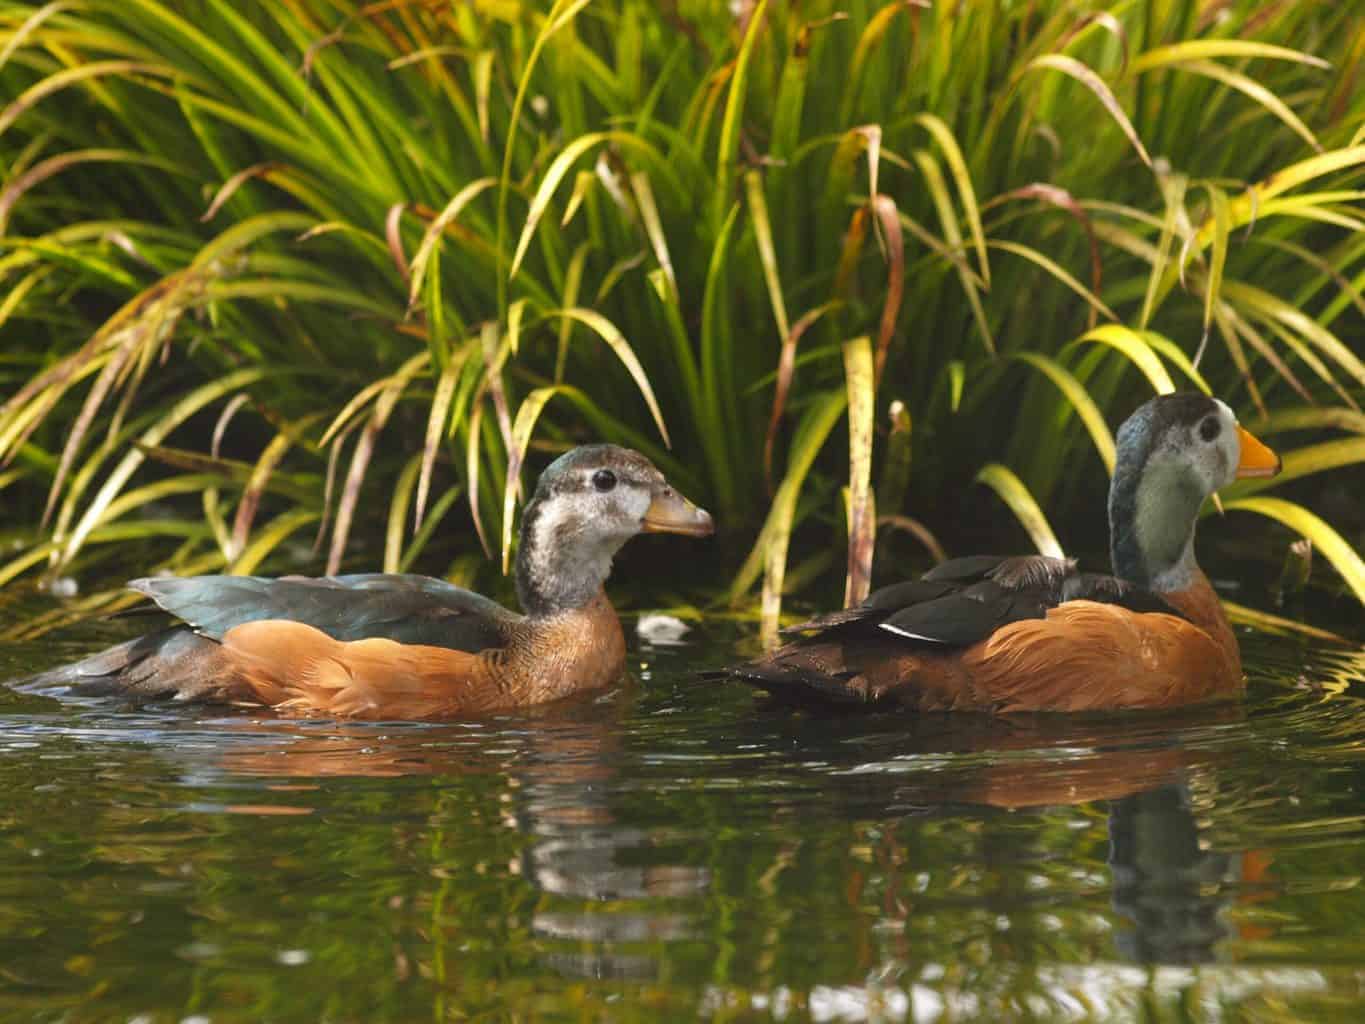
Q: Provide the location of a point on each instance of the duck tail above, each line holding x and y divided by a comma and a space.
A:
804, 672
174, 662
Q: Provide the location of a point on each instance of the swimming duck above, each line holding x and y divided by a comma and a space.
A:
397, 646
1032, 633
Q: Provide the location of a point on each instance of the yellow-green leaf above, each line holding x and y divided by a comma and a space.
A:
1013, 493
862, 521
1093, 82
1332, 545
1080, 400
1138, 352
616, 341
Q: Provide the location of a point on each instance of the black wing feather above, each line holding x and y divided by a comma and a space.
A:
968, 569
878, 605
965, 600
956, 620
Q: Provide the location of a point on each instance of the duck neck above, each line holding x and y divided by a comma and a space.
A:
561, 654
1152, 514
1199, 603
562, 563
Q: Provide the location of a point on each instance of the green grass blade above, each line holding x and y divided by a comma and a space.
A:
1079, 400
616, 341
1173, 195
860, 383
540, 202
1218, 204
1332, 545
1206, 49
767, 253
1250, 87
275, 533
654, 230
938, 191
775, 537
1176, 355
1313, 418
1083, 74
177, 414
436, 228
962, 178
1012, 492
1053, 268
728, 148
814, 429
1271, 307
560, 14
1135, 349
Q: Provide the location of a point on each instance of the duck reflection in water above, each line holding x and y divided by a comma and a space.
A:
613, 888
1171, 882
1169, 885
559, 767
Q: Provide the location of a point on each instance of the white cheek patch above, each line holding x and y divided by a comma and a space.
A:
1230, 446
636, 503
1213, 462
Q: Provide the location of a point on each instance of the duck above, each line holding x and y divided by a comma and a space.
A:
381, 646
1033, 633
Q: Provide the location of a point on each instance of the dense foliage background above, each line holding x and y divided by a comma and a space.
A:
275, 270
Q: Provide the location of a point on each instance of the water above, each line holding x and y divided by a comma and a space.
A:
676, 850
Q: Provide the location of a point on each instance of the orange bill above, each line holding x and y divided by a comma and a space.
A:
1257, 459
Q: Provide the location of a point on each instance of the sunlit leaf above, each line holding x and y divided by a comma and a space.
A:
1093, 82
1013, 493
432, 235
1205, 49
616, 341
860, 382
1079, 400
957, 164
767, 254
728, 146
1325, 539
1136, 349
398, 511
177, 414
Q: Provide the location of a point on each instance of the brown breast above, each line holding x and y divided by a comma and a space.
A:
556, 656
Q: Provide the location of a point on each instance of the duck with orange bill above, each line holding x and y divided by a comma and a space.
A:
1033, 633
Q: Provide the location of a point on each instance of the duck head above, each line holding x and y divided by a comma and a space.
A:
1173, 453
587, 504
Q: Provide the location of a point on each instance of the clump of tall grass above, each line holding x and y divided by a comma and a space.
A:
268, 268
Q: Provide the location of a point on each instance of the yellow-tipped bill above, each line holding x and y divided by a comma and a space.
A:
1257, 459
670, 512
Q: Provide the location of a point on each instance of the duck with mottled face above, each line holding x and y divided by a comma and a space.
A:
399, 646
1032, 633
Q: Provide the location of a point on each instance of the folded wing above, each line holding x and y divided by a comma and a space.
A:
406, 608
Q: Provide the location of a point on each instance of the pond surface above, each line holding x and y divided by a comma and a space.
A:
675, 850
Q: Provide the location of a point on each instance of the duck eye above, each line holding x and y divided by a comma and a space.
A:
1210, 428
604, 480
